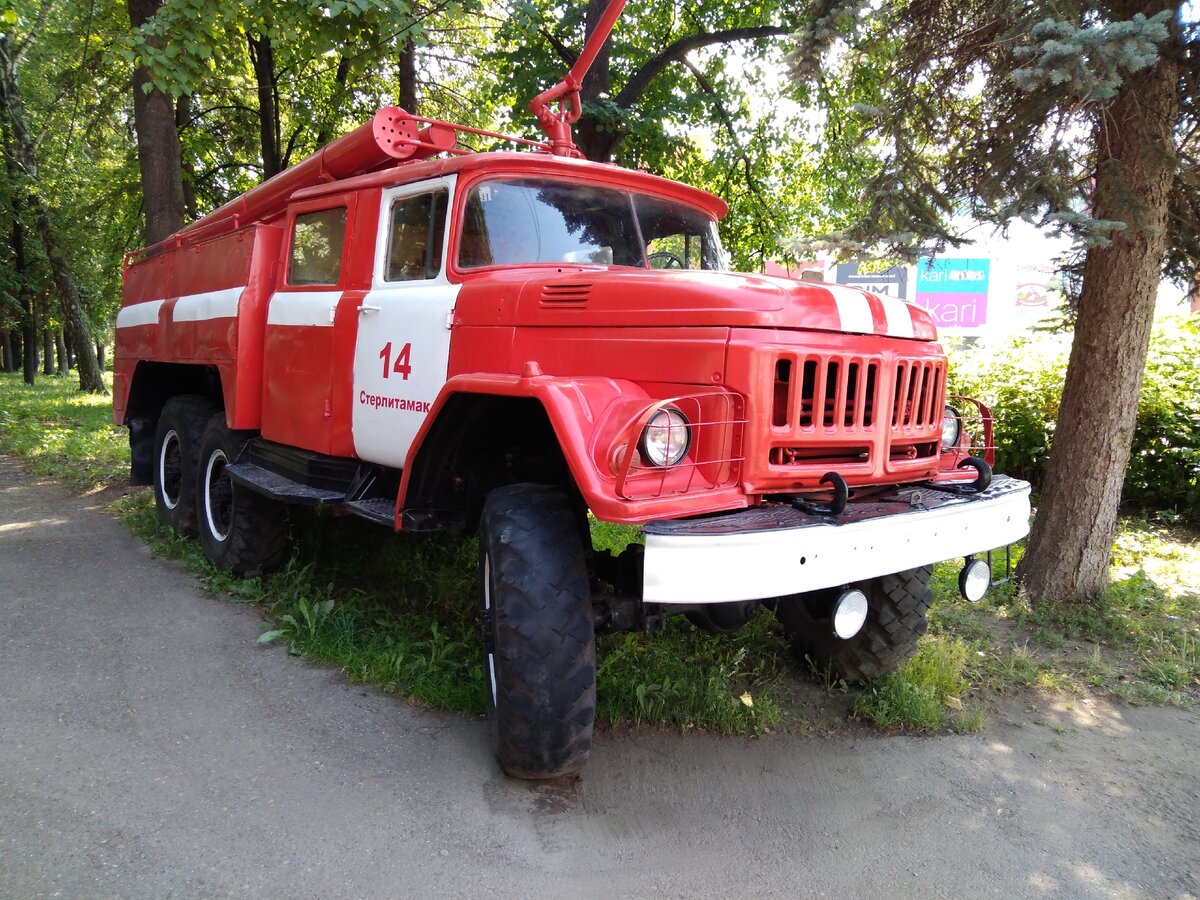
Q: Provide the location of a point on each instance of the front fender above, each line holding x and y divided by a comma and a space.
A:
590, 418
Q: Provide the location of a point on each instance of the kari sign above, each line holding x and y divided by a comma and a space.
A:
955, 291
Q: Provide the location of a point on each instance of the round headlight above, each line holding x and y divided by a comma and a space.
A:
666, 438
849, 613
951, 427
975, 579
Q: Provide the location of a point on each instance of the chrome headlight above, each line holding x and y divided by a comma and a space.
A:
666, 438
951, 428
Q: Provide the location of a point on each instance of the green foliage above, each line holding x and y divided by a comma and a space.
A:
713, 119
1022, 383
1164, 470
920, 693
1089, 63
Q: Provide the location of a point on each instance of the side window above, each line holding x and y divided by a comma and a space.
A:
415, 240
317, 242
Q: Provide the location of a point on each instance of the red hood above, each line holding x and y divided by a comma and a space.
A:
597, 297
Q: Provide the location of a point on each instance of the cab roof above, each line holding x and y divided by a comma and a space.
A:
505, 162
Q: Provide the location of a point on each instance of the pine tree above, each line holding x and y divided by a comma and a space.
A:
1082, 118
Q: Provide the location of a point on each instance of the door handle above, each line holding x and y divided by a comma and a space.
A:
367, 307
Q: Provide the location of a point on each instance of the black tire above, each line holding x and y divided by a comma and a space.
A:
176, 451
538, 644
897, 616
242, 532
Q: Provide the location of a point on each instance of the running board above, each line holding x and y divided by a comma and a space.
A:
280, 487
379, 510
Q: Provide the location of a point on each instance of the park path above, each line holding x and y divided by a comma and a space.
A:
148, 748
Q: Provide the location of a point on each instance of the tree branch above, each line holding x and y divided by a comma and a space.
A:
676, 51
565, 53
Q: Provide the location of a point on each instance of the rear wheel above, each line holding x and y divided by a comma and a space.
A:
176, 449
242, 532
897, 616
538, 643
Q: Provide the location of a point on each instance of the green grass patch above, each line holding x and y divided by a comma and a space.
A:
685, 678
66, 434
923, 693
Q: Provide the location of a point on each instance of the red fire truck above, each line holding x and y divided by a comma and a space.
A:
506, 343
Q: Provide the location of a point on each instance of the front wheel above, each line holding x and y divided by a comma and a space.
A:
242, 532
538, 643
897, 616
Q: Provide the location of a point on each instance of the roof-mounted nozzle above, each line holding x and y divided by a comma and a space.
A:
559, 108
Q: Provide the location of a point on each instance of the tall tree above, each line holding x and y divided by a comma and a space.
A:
157, 138
1080, 116
24, 156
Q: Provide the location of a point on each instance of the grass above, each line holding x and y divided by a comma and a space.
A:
64, 433
399, 613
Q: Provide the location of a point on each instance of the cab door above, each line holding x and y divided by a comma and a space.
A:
298, 345
402, 351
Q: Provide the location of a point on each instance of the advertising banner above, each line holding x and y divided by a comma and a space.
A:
955, 291
891, 282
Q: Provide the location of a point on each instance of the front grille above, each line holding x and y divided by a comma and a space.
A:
834, 392
827, 409
919, 385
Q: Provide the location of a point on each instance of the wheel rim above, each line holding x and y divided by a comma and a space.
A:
489, 641
170, 470
218, 496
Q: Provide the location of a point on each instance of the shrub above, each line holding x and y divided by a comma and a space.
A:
1022, 382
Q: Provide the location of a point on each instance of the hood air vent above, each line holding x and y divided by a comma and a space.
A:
567, 292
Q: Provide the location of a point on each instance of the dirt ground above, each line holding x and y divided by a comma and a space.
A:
148, 748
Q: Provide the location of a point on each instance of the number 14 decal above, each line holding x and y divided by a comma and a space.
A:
402, 366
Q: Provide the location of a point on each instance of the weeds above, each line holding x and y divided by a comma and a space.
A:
684, 678
920, 694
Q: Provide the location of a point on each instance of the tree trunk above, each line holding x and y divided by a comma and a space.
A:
187, 170
47, 352
29, 345
596, 143
6, 351
100, 355
1071, 541
90, 379
24, 295
262, 58
60, 353
407, 64
157, 140
340, 77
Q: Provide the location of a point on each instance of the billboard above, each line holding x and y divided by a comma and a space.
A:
892, 282
955, 291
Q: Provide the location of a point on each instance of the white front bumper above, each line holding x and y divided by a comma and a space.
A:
752, 560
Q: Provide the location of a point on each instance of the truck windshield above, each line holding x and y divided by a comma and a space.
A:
522, 221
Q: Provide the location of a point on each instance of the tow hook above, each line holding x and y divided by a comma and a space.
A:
841, 494
978, 486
